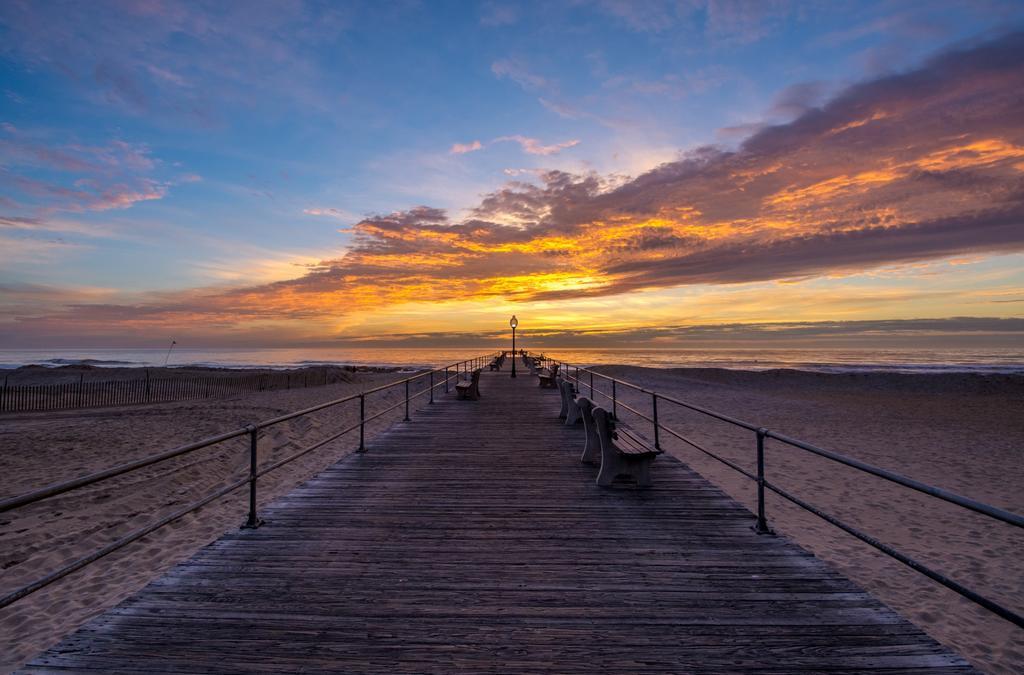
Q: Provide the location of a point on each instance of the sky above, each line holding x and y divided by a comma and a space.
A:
612, 172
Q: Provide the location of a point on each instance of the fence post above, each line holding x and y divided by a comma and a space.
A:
431, 386
3, 396
406, 401
615, 403
446, 379
81, 379
654, 416
592, 386
252, 522
761, 527
362, 423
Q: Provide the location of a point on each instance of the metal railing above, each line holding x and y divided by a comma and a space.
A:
451, 371
573, 373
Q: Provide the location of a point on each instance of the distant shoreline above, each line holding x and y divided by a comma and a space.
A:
279, 360
35, 374
973, 380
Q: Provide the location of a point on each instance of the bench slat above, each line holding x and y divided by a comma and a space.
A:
630, 444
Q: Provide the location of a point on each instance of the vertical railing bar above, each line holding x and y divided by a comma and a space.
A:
762, 523
362, 423
406, 401
253, 521
615, 403
431, 386
654, 416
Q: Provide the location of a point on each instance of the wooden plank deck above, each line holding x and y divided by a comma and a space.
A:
472, 539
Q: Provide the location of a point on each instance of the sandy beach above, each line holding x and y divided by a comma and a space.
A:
961, 432
38, 449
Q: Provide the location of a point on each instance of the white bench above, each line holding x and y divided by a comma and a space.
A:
623, 453
570, 411
592, 447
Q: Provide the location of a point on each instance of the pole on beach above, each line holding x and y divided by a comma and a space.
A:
762, 523
252, 522
166, 358
362, 422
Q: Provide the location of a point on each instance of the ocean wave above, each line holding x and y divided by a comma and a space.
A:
87, 362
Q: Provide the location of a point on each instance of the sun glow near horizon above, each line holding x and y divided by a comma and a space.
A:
895, 197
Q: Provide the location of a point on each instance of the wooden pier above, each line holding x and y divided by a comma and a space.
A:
473, 539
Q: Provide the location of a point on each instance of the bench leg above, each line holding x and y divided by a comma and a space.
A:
642, 473
610, 468
573, 416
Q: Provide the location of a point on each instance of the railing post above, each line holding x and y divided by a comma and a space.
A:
406, 400
431, 386
615, 403
362, 423
654, 416
592, 386
252, 522
761, 527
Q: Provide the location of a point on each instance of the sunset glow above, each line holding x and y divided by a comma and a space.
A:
149, 191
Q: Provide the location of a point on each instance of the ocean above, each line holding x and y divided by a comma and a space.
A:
816, 360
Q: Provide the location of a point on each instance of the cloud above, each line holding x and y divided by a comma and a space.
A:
533, 146
463, 148
921, 165
193, 63
725, 21
874, 176
518, 73
797, 99
340, 214
498, 14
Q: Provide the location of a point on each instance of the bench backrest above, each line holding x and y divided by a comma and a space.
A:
567, 392
605, 426
592, 449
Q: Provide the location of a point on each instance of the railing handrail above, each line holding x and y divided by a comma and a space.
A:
931, 490
254, 473
988, 510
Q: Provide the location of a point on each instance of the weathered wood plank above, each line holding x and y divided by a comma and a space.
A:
472, 538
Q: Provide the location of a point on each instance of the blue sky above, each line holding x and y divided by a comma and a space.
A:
153, 149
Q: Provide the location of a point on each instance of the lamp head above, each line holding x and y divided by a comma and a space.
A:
513, 321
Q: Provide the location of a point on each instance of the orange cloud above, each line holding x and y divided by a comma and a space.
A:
877, 176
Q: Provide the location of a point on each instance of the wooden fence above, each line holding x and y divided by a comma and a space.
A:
103, 393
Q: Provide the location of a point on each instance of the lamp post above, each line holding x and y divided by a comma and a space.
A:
513, 322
